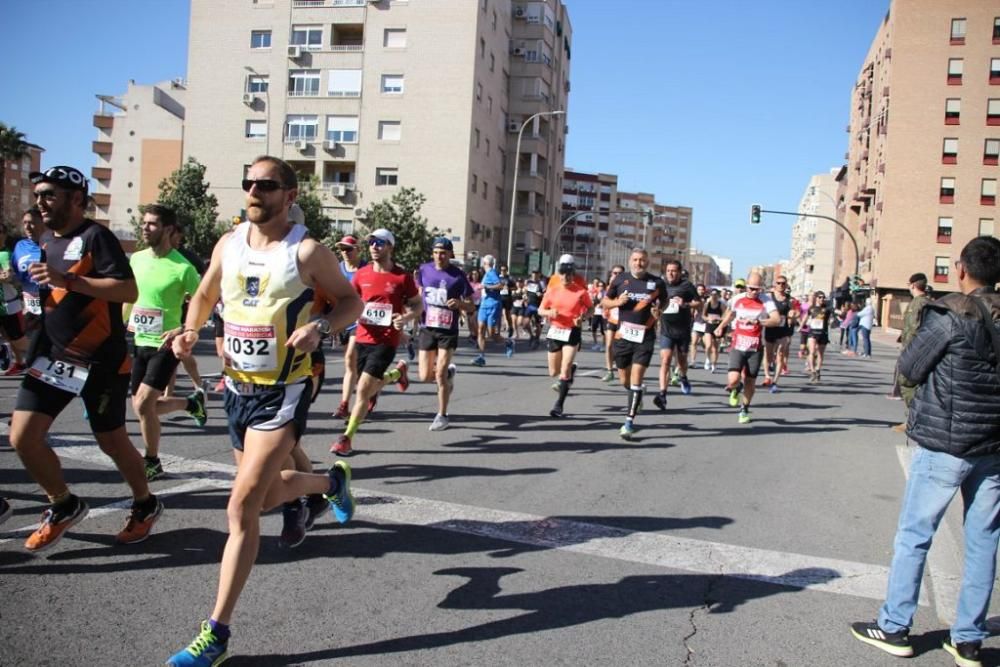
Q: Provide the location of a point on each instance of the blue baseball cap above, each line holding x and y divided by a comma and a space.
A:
443, 242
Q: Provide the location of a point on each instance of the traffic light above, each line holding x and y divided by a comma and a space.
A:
755, 214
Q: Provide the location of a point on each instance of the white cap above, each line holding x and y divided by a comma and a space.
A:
567, 259
295, 215
383, 234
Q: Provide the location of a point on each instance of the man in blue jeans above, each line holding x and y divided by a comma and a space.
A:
955, 421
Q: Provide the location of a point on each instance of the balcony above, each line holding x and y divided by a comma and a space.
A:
104, 122
102, 199
101, 147
310, 4
101, 173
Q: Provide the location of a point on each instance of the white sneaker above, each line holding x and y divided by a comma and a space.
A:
440, 423
707, 365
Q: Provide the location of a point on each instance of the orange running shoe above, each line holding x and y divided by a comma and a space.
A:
55, 523
139, 524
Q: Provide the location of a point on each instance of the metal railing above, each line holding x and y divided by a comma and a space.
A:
346, 48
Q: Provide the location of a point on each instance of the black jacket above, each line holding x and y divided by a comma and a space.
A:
957, 405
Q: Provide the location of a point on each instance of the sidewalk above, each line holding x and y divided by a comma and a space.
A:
886, 337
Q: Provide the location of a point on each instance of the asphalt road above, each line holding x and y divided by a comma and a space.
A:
509, 539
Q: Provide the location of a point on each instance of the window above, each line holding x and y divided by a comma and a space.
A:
958, 31
493, 62
343, 83
260, 39
955, 67
993, 112
489, 103
309, 37
944, 230
947, 191
392, 84
942, 266
994, 71
303, 83
991, 151
479, 92
487, 148
301, 128
486, 188
498, 198
342, 129
389, 130
256, 84
476, 136
475, 184
986, 226
503, 161
256, 129
386, 176
988, 192
494, 21
394, 38
996, 30
949, 153
952, 111
482, 48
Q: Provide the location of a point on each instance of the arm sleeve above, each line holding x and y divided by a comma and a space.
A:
927, 348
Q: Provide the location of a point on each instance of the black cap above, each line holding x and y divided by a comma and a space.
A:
69, 178
443, 243
917, 277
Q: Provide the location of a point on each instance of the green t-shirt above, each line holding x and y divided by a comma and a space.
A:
163, 283
9, 291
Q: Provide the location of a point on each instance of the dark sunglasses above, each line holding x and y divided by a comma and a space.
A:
378, 243
753, 289
263, 184
345, 248
781, 282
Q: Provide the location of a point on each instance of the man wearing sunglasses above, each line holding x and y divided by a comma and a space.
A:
79, 350
750, 314
352, 261
818, 319
391, 301
778, 340
267, 271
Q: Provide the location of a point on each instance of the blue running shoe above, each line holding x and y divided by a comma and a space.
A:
509, 348
627, 430
480, 361
774, 389
341, 502
685, 386
205, 651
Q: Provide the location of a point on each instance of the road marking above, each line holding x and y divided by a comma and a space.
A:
678, 553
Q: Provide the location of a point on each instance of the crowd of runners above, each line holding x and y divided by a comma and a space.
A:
73, 299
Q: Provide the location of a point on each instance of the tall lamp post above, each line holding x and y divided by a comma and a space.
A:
267, 110
555, 238
513, 194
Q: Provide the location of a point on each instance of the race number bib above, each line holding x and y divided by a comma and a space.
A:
633, 333
533, 288
377, 313
699, 327
672, 308
251, 347
439, 318
559, 333
815, 323
146, 321
745, 343
504, 292
518, 303
32, 304
60, 374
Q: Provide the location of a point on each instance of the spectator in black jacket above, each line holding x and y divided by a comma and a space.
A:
955, 421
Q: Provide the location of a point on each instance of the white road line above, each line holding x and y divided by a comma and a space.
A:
796, 570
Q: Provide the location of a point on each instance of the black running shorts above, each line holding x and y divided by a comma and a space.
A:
374, 359
265, 408
103, 396
628, 353
558, 345
749, 360
152, 366
437, 339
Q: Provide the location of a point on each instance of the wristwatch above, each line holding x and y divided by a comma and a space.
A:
323, 326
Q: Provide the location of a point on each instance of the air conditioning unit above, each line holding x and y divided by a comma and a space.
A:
294, 52
249, 99
338, 190
301, 145
519, 12
518, 51
330, 145
359, 213
513, 126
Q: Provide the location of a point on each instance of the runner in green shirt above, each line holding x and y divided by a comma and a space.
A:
11, 317
164, 279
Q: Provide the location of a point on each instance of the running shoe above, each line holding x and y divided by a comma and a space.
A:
744, 417
557, 411
404, 381
342, 447
627, 430
55, 522
894, 643
508, 348
660, 400
411, 352
4, 357
675, 379
372, 402
774, 388
5, 510
440, 423
316, 507
766, 382
966, 654
452, 369
206, 650
293, 528
15, 369
153, 468
734, 396
196, 407
708, 365
685, 386
342, 502
479, 360
220, 386
609, 376
343, 411
555, 386
713, 368
139, 524
785, 371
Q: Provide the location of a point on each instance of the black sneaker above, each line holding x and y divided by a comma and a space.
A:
660, 401
316, 506
966, 654
293, 530
196, 407
5, 510
557, 411
894, 643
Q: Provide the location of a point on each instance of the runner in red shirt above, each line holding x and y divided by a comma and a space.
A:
565, 303
391, 302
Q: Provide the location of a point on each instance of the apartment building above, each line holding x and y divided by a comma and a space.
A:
811, 266
704, 270
139, 141
15, 186
588, 202
369, 96
924, 143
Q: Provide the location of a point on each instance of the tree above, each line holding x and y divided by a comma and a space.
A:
13, 146
186, 192
400, 214
312, 206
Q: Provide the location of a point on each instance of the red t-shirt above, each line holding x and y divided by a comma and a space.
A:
383, 294
748, 324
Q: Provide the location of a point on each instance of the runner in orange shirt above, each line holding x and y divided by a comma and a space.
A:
566, 303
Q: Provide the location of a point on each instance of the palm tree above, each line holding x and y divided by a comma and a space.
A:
13, 146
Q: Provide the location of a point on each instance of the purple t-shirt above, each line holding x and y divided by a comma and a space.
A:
437, 286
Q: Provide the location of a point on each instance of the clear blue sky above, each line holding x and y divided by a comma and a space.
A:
709, 104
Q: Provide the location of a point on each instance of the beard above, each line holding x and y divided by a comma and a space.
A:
260, 213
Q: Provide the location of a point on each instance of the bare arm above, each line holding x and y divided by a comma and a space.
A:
114, 290
202, 302
319, 269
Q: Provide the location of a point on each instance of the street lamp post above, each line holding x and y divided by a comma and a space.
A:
513, 194
555, 239
267, 110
